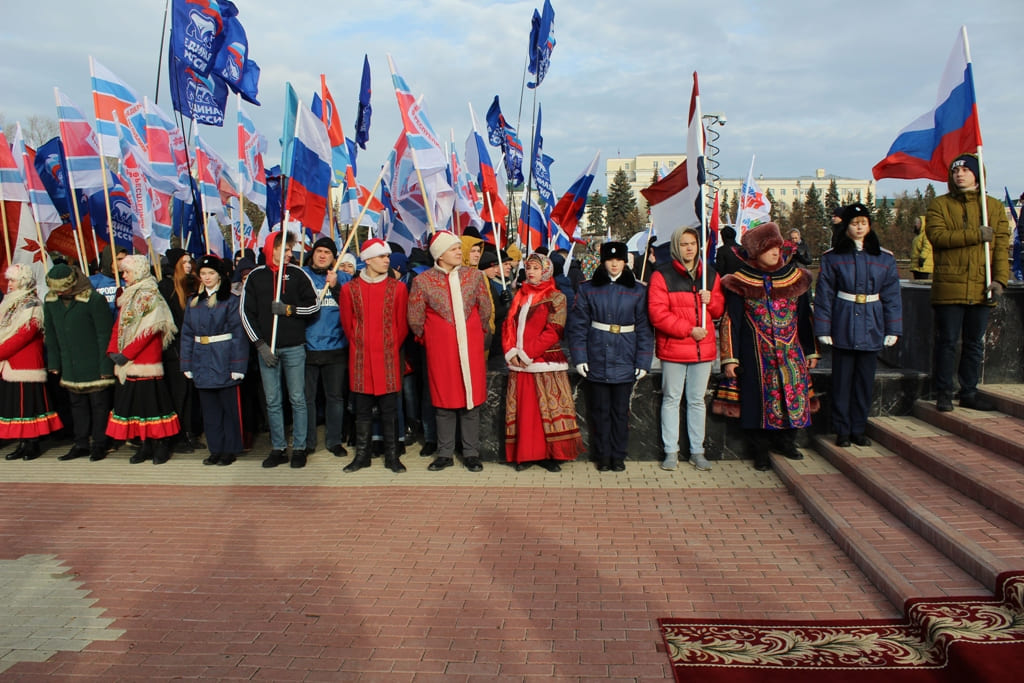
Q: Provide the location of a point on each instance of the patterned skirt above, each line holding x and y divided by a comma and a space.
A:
540, 418
142, 408
26, 411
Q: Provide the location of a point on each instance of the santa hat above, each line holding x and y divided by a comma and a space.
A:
374, 247
442, 242
761, 238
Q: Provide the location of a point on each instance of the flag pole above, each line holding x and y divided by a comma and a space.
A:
982, 197
490, 205
7, 238
80, 240
103, 168
415, 165
355, 231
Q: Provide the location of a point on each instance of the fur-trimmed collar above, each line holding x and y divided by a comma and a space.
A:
788, 282
222, 294
601, 278
845, 245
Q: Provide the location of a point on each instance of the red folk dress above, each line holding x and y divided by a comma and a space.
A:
25, 408
373, 315
540, 414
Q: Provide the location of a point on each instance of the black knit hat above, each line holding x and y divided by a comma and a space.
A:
968, 160
173, 256
610, 250
326, 243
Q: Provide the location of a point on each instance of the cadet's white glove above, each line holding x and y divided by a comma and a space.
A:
827, 341
582, 369
238, 375
890, 340
188, 373
640, 373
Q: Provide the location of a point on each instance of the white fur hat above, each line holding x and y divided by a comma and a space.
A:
442, 242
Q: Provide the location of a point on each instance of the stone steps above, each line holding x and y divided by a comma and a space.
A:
935, 506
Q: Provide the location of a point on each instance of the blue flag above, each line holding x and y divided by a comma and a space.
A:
186, 226
542, 42
499, 133
365, 110
197, 34
194, 96
121, 215
542, 167
274, 196
232, 63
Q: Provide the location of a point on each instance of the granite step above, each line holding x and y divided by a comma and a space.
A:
897, 560
979, 540
977, 470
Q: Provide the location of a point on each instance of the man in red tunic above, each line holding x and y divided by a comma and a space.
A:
449, 312
373, 313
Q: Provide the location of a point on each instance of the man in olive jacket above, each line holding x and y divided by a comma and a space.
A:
961, 298
77, 324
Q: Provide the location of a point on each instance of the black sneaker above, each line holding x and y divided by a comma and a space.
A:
843, 440
338, 450
213, 459
226, 459
275, 458
298, 458
440, 464
944, 404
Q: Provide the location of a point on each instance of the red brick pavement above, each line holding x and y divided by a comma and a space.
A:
419, 584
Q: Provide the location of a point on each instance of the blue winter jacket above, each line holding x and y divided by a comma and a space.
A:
324, 333
611, 357
871, 271
211, 362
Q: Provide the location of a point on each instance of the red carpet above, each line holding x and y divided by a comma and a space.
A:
942, 639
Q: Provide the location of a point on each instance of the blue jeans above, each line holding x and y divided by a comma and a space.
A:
968, 324
292, 361
678, 379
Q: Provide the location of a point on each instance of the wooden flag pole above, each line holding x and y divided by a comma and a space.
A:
7, 238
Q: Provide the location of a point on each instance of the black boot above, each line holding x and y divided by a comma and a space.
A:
144, 453
363, 433
757, 449
392, 459
98, 451
17, 453
348, 431
784, 442
31, 449
213, 459
161, 451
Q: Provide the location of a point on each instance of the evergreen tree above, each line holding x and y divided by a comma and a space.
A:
595, 213
621, 211
796, 215
832, 198
817, 229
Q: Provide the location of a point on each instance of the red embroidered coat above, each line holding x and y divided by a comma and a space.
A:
373, 315
432, 322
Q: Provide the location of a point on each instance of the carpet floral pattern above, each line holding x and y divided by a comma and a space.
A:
925, 640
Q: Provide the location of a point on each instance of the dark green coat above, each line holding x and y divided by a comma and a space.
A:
953, 228
77, 334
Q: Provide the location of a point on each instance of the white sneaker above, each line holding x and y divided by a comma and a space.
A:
670, 462
700, 462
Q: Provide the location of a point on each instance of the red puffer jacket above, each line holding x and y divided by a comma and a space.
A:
673, 307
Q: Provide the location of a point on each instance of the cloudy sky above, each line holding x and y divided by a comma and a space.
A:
805, 84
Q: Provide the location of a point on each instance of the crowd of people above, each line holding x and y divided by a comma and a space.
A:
399, 347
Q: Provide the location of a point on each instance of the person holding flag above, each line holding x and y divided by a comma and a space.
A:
683, 311
962, 297
267, 309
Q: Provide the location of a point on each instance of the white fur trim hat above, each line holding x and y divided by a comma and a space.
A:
374, 247
442, 242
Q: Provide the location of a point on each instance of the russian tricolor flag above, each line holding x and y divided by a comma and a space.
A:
569, 209
81, 149
311, 171
927, 147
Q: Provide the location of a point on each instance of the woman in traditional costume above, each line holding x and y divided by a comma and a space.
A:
26, 413
143, 407
767, 341
540, 414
